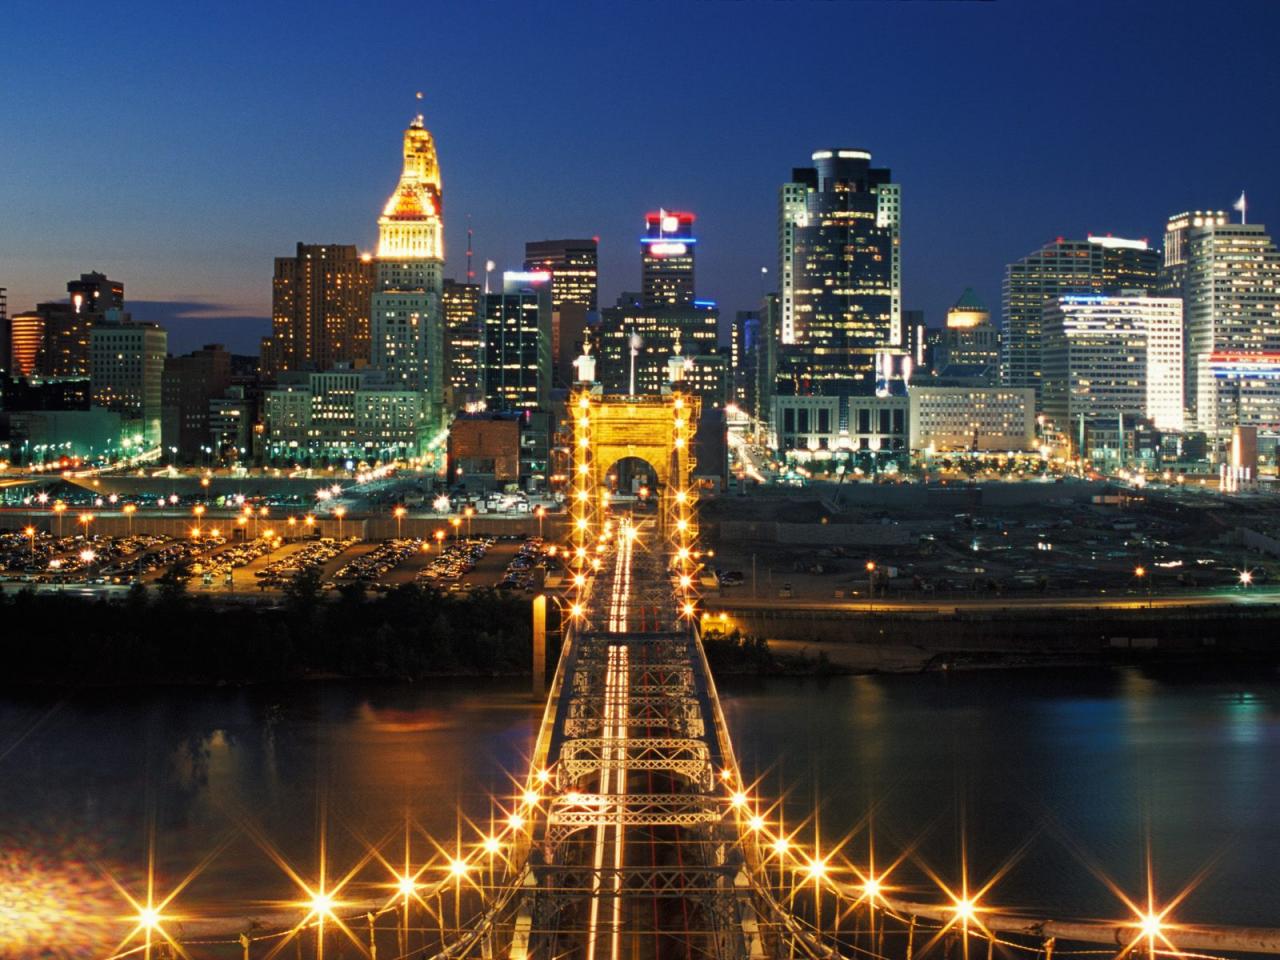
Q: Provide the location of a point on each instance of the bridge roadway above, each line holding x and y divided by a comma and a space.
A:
635, 856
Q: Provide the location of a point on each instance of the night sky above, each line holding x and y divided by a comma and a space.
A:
180, 151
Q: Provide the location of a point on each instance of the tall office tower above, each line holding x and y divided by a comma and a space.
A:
1098, 265
319, 308
63, 349
460, 307
96, 296
573, 265
517, 364
970, 347
666, 259
840, 273
914, 337
636, 343
1107, 357
26, 340
1233, 326
744, 340
1173, 280
188, 386
407, 325
126, 372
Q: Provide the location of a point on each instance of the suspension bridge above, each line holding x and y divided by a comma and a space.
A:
633, 835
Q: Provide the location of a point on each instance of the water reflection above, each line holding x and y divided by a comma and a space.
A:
1041, 779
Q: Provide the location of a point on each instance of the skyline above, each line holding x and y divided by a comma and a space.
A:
217, 159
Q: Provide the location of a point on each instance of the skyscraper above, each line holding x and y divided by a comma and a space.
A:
636, 343
1098, 265
97, 297
573, 265
666, 259
1112, 356
1173, 281
460, 305
407, 326
517, 343
1233, 326
970, 347
188, 386
319, 308
840, 274
126, 370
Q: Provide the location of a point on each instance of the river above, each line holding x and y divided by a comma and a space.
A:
1059, 780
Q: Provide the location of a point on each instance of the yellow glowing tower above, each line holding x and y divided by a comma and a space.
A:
407, 328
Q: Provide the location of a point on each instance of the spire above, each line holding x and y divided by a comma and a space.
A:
410, 225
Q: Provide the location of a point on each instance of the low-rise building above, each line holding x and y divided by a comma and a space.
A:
977, 419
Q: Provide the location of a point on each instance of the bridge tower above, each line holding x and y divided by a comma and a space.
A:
658, 429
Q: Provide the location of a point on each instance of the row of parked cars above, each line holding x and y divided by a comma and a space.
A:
523, 566
373, 566
456, 561
313, 555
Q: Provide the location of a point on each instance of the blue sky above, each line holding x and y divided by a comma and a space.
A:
181, 147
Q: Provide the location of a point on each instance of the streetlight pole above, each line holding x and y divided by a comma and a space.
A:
339, 512
871, 585
399, 515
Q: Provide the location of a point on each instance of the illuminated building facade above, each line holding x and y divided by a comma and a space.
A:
26, 341
460, 307
406, 324
517, 343
343, 414
95, 296
1173, 280
970, 345
840, 274
667, 259
974, 419
810, 426
126, 374
1098, 265
1233, 326
319, 308
1107, 357
574, 269
652, 333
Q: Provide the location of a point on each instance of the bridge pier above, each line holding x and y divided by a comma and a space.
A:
540, 647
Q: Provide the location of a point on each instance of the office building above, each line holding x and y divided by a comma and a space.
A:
573, 266
637, 342
343, 414
96, 297
1173, 279
840, 275
744, 353
810, 426
460, 307
319, 309
667, 259
972, 419
230, 419
26, 342
1233, 327
1108, 357
915, 338
126, 372
517, 365
407, 324
968, 352
1097, 265
188, 386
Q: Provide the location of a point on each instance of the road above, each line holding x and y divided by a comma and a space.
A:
1252, 597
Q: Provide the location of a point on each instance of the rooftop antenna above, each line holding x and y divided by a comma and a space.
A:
1243, 206
471, 274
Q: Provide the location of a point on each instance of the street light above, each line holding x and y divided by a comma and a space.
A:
871, 583
469, 512
439, 535
59, 508
1141, 573
1246, 578
455, 523
31, 535
86, 519
541, 512
129, 510
339, 512
399, 513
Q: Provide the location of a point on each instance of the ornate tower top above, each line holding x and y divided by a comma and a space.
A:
411, 225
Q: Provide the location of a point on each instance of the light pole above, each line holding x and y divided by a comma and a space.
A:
541, 512
86, 519
439, 535
1141, 573
871, 585
129, 510
31, 535
469, 512
339, 512
455, 523
59, 508
399, 513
